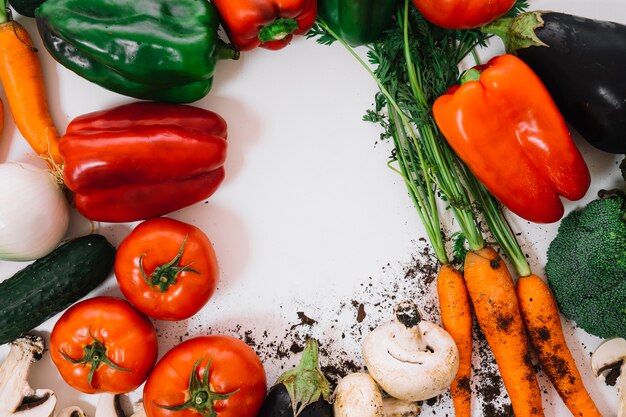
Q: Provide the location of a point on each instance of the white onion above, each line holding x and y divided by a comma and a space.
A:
34, 213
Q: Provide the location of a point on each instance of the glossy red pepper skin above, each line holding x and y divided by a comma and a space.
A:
143, 160
269, 24
462, 14
507, 129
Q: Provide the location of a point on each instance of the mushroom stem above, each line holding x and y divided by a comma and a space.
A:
409, 337
72, 411
609, 354
110, 405
392, 407
621, 401
14, 386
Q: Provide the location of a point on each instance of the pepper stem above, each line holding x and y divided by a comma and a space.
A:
305, 383
164, 276
4, 11
201, 396
95, 355
225, 51
470, 75
277, 30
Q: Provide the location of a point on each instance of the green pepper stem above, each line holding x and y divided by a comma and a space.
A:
225, 51
277, 30
470, 75
4, 11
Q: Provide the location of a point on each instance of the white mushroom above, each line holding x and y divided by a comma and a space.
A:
110, 405
411, 359
72, 411
17, 398
609, 354
357, 395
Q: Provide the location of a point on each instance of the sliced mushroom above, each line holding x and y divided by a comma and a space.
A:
17, 398
358, 395
609, 354
411, 359
110, 405
71, 412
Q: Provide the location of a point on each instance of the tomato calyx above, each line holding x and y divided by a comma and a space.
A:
95, 355
164, 276
201, 396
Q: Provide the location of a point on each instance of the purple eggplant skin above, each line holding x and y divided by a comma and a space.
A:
584, 68
278, 404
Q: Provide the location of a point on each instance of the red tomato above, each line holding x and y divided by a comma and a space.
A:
228, 380
103, 345
167, 269
462, 14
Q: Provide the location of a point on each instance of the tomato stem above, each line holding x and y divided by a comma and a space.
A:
164, 276
201, 396
95, 355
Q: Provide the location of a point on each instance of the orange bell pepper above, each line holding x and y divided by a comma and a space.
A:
505, 126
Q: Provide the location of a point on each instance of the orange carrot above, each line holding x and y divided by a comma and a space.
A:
456, 316
541, 316
490, 287
22, 78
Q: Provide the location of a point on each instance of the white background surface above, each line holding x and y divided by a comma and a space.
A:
308, 211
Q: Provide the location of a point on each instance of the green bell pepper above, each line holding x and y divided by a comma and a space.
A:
162, 50
357, 21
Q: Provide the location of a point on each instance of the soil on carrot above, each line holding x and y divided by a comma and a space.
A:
340, 332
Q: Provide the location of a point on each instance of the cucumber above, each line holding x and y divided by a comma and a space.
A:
52, 283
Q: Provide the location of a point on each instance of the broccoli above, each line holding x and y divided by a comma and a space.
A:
586, 267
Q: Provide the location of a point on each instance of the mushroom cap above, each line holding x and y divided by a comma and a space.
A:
411, 364
357, 395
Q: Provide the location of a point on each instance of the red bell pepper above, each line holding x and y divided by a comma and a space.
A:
507, 129
269, 24
462, 14
143, 160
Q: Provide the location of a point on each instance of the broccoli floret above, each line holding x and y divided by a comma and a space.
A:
586, 267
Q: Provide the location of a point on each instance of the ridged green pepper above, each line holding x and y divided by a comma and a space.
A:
163, 50
357, 21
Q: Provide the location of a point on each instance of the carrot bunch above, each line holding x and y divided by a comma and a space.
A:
539, 312
430, 168
22, 79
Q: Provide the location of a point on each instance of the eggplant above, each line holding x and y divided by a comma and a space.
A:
582, 63
302, 391
25, 7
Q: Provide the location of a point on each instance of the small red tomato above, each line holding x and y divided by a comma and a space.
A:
462, 14
167, 269
217, 376
103, 345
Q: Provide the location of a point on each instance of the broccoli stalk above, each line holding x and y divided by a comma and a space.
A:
586, 266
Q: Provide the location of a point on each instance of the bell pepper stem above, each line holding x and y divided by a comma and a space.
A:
225, 51
277, 30
4, 11
470, 75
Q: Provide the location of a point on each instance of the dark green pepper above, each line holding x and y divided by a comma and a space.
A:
162, 50
25, 7
357, 21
